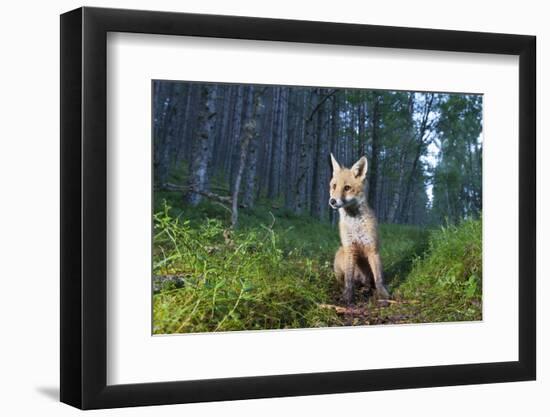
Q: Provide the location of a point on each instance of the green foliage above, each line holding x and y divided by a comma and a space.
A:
400, 245
447, 280
275, 272
236, 280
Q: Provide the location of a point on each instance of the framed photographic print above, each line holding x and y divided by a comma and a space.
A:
256, 207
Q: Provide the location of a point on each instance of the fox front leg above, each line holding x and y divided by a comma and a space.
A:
375, 264
349, 273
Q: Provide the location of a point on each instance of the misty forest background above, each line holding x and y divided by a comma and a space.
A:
235, 165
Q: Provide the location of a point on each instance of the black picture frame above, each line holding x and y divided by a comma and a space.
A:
84, 207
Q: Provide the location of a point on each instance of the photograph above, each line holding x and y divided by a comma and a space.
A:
293, 207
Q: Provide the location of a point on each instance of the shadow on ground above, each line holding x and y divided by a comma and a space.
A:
50, 392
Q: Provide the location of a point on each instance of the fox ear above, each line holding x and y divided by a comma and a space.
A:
359, 169
335, 164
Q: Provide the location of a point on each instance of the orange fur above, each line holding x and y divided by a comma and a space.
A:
358, 259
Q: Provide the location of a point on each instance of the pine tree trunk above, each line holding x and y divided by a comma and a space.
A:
398, 188
405, 209
236, 133
248, 136
373, 165
362, 135
266, 142
275, 159
250, 172
304, 168
320, 167
191, 123
294, 117
203, 144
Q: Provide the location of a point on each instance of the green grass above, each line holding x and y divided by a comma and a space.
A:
275, 271
252, 278
448, 279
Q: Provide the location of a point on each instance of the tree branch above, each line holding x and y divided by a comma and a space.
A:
325, 98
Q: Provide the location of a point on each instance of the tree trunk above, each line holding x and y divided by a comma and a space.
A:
292, 118
398, 188
192, 123
420, 145
164, 131
373, 165
319, 195
275, 159
248, 136
362, 135
203, 144
236, 133
302, 199
253, 151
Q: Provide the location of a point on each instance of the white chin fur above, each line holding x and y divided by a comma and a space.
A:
344, 204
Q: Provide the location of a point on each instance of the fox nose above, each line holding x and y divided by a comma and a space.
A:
332, 201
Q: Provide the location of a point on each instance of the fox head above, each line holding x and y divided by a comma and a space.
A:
347, 186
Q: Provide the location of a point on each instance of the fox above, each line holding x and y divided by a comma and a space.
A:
358, 258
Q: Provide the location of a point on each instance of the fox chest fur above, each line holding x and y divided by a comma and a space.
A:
359, 228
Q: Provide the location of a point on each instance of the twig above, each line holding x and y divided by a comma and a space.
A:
232, 310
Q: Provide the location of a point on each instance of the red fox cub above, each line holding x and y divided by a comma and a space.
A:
358, 259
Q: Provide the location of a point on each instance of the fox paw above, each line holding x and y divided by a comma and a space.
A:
382, 293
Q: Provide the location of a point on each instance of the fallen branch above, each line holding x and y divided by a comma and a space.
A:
356, 310
187, 189
388, 301
344, 310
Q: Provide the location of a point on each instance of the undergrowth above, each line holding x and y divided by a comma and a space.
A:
275, 271
448, 279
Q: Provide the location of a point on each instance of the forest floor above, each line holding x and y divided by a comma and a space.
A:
275, 272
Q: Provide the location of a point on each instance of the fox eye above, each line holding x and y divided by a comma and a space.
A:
333, 186
347, 188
